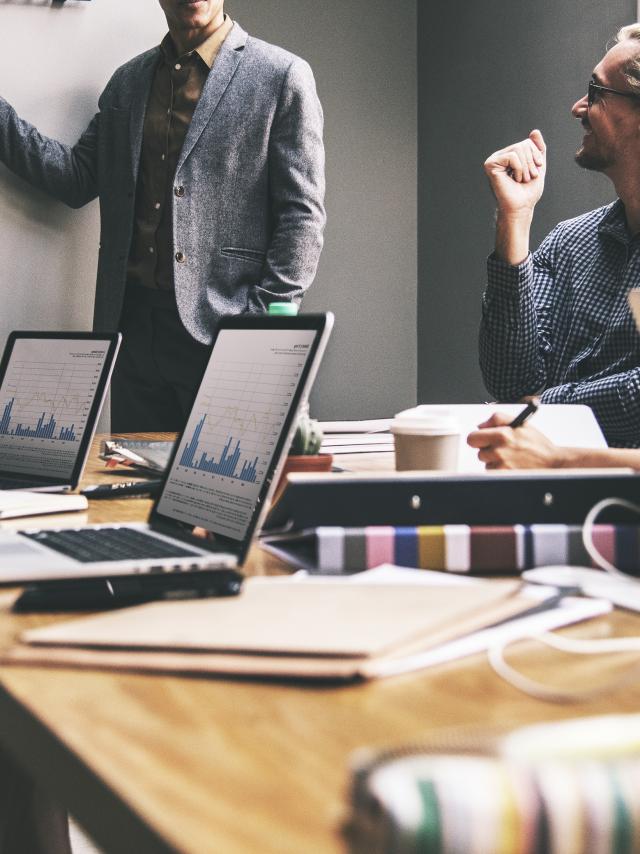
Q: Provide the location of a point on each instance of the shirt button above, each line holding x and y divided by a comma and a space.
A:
157, 206
162, 157
151, 250
179, 191
177, 66
180, 257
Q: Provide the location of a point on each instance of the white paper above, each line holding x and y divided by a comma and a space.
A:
372, 425
372, 439
570, 610
14, 503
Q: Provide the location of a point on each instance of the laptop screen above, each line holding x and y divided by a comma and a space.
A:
51, 388
241, 418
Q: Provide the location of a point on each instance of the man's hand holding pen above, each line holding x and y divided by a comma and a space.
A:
504, 442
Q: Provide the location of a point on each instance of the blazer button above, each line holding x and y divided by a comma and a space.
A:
179, 191
180, 257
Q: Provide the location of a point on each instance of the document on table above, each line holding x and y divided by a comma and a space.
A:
384, 622
278, 629
356, 437
571, 609
371, 425
357, 443
15, 503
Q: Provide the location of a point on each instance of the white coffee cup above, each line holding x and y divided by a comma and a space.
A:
426, 438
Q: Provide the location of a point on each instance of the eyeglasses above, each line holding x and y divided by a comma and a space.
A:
595, 89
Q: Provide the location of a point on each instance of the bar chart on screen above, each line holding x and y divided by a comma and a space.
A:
46, 398
226, 465
234, 428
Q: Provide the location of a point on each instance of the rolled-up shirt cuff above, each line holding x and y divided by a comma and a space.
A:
508, 278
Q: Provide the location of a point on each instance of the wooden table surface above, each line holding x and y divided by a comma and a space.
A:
157, 763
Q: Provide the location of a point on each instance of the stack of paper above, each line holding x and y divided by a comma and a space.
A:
380, 623
287, 629
356, 437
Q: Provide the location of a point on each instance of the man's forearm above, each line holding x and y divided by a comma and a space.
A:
512, 236
66, 173
598, 458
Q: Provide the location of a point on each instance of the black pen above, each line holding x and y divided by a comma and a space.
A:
116, 490
524, 414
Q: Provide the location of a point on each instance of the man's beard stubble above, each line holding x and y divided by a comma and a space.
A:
592, 162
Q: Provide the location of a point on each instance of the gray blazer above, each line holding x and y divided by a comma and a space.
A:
247, 228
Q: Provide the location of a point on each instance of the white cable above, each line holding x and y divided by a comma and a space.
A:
587, 535
575, 646
590, 646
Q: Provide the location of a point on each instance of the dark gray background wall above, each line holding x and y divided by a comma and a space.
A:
487, 74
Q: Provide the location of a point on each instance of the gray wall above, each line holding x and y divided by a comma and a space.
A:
487, 74
366, 79
53, 64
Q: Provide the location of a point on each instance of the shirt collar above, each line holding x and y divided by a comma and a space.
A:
614, 223
207, 51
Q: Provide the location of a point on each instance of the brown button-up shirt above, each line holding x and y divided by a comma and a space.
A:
175, 92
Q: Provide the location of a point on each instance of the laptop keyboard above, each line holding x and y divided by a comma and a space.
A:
90, 545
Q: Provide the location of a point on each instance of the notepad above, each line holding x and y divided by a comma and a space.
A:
278, 630
14, 503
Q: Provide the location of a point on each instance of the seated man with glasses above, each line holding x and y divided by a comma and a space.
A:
556, 322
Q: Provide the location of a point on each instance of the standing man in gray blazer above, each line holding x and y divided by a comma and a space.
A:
207, 157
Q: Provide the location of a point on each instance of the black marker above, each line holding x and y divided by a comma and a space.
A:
525, 414
116, 490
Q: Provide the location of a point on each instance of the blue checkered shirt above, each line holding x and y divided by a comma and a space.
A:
559, 325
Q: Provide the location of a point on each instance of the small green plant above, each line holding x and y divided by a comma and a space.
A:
308, 436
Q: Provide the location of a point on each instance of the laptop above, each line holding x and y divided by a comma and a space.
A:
52, 388
222, 472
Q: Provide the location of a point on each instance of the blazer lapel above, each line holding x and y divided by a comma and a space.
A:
139, 99
217, 82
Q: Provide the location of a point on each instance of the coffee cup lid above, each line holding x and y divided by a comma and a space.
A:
425, 421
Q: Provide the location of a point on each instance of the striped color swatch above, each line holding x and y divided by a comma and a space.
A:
464, 548
457, 804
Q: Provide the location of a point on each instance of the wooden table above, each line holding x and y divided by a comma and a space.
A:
157, 763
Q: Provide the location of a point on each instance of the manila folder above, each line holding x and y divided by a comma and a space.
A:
282, 629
